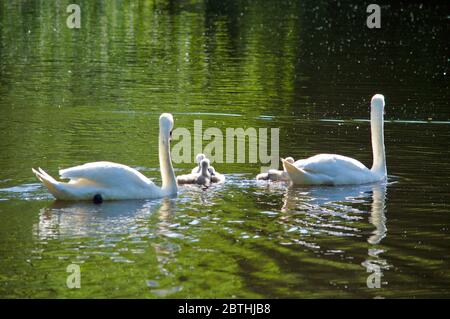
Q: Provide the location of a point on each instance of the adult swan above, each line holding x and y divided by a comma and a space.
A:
331, 169
100, 181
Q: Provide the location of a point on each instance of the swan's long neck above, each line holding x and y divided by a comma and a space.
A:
169, 181
377, 132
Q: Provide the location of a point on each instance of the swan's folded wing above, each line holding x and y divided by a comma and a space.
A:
106, 174
331, 165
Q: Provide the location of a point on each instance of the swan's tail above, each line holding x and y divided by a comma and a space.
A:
52, 185
297, 175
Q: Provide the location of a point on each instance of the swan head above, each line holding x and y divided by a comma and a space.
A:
166, 124
377, 102
289, 160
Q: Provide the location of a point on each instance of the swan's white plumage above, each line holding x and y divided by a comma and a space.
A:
332, 169
328, 169
106, 174
114, 181
111, 180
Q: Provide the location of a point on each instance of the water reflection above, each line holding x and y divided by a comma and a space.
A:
73, 97
375, 263
166, 249
338, 211
377, 214
327, 210
113, 229
80, 219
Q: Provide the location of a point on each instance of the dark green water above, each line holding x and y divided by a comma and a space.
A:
309, 68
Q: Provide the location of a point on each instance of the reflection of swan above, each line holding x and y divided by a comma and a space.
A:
132, 217
377, 216
374, 263
339, 202
165, 248
276, 175
332, 169
320, 196
115, 229
110, 181
70, 219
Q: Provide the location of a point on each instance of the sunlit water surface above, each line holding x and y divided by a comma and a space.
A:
74, 96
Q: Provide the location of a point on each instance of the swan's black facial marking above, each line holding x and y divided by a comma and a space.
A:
170, 135
97, 199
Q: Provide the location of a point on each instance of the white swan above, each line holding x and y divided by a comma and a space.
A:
276, 175
331, 169
100, 181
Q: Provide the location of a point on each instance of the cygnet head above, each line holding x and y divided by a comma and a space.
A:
199, 157
166, 124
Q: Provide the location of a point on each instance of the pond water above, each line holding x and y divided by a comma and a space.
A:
308, 68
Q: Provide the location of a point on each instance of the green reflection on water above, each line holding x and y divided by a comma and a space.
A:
308, 68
